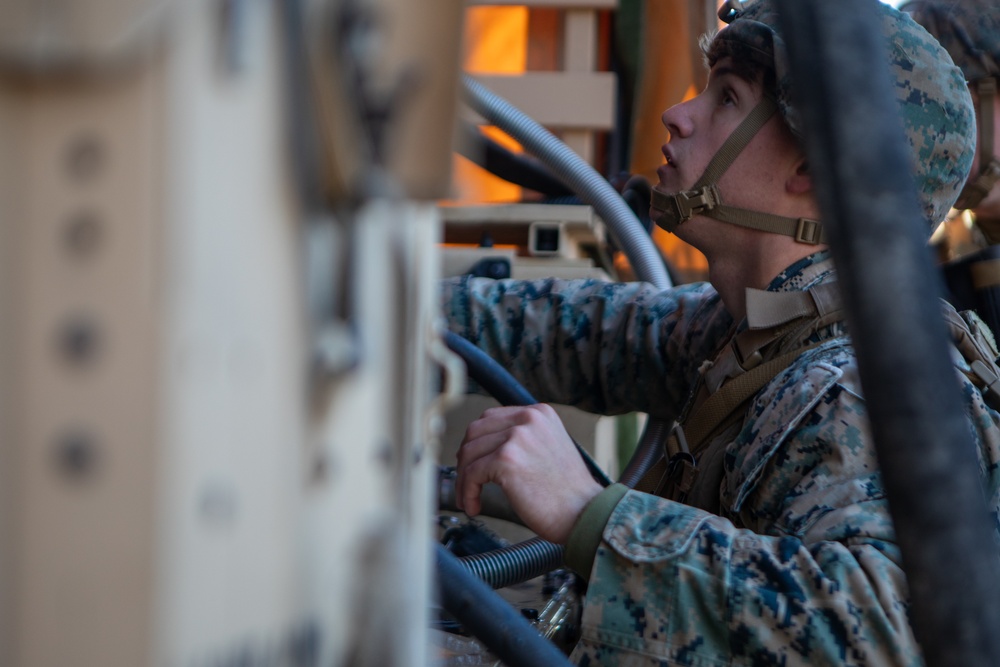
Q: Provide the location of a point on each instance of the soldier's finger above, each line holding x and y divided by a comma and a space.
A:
494, 420
470, 482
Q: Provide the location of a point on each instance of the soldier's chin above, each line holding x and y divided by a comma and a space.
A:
659, 216
656, 215
662, 220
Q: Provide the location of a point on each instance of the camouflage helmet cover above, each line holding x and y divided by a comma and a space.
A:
968, 29
935, 104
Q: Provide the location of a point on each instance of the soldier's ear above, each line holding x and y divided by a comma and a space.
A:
800, 182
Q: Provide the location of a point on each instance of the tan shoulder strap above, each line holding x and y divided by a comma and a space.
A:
739, 375
686, 443
770, 309
717, 407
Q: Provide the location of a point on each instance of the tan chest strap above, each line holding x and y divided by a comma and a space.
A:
737, 375
771, 317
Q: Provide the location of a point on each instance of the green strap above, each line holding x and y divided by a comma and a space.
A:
770, 311
767, 310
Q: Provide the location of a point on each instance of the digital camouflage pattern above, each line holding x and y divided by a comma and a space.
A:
800, 567
935, 104
968, 29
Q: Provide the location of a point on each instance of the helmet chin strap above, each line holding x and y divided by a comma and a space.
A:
671, 209
989, 165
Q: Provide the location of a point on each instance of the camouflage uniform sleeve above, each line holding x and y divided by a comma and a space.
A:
802, 570
604, 347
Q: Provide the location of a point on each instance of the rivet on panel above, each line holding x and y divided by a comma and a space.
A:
217, 504
79, 341
304, 645
319, 469
77, 454
85, 158
83, 234
383, 454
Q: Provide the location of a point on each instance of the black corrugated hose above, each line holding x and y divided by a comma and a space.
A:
858, 158
491, 618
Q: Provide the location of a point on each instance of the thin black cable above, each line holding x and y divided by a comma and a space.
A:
517, 168
501, 385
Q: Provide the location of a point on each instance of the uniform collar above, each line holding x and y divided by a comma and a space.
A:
803, 274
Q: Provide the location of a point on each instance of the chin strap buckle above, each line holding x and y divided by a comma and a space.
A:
675, 208
694, 202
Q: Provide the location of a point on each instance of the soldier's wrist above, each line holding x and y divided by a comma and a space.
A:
585, 538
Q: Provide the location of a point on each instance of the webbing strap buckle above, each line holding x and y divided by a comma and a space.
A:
693, 202
809, 231
674, 208
682, 469
676, 442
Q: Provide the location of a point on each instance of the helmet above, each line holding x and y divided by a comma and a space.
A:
935, 107
970, 31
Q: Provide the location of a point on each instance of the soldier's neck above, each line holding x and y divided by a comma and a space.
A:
753, 266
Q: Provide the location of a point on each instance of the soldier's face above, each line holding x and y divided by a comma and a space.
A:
699, 127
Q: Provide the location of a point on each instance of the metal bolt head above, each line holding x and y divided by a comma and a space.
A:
83, 234
85, 158
79, 341
77, 454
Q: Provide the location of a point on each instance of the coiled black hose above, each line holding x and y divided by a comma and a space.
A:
491, 619
516, 563
531, 558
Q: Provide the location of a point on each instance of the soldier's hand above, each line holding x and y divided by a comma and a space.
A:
527, 452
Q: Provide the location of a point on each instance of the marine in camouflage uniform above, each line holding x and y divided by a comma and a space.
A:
968, 243
970, 31
782, 549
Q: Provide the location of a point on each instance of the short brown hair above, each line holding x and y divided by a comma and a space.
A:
747, 63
